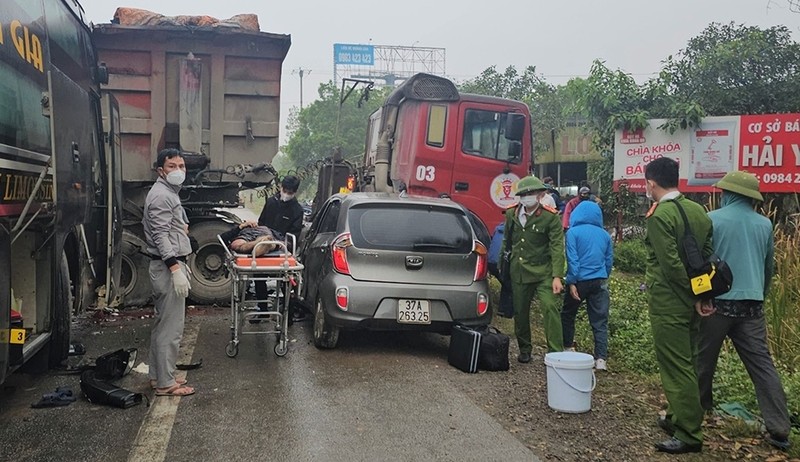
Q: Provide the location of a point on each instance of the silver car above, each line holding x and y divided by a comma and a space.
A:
392, 262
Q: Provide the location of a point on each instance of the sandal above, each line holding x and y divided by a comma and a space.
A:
175, 390
154, 383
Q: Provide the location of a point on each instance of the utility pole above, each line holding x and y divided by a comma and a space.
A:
301, 72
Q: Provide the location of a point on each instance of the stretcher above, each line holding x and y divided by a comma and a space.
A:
279, 268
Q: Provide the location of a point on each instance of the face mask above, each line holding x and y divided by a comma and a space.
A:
286, 197
529, 201
176, 177
648, 192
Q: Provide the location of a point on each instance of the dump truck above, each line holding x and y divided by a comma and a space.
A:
211, 89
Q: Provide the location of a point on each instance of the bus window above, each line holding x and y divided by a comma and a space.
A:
22, 124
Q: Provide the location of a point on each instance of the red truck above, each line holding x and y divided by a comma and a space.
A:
428, 139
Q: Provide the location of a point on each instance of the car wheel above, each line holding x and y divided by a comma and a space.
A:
325, 335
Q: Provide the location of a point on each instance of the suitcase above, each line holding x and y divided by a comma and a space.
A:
494, 350
464, 348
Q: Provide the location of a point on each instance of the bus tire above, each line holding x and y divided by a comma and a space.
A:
134, 283
61, 316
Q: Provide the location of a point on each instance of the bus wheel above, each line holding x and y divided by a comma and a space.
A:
135, 275
61, 316
211, 283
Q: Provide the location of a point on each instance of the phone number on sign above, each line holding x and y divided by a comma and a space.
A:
780, 178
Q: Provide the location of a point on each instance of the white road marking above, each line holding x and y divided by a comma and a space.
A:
153, 437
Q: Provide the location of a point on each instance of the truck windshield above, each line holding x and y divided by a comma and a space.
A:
484, 135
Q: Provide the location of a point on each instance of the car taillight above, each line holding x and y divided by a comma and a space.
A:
339, 253
483, 304
482, 264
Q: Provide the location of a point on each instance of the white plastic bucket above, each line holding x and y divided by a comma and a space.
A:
570, 381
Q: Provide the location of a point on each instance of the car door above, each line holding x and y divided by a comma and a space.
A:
316, 250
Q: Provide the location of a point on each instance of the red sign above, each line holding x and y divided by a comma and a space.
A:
769, 147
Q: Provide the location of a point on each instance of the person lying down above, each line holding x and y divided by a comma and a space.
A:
243, 238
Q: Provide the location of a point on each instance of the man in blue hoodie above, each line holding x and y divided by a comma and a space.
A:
590, 255
743, 238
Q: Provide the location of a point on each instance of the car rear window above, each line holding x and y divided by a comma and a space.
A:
410, 228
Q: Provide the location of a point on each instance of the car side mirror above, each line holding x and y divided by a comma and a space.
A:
514, 151
515, 126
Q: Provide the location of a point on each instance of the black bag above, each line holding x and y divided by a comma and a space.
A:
710, 277
504, 265
464, 348
493, 353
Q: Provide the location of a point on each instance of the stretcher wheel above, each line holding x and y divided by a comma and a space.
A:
232, 349
281, 348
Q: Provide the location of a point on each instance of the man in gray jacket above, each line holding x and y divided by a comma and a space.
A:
166, 230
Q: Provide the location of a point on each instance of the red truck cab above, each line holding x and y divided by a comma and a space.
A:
428, 139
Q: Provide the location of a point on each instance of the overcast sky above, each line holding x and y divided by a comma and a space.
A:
560, 38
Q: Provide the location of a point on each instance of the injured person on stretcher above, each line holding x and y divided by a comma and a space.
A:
243, 238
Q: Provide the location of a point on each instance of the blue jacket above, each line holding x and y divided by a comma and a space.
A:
590, 253
743, 238
496, 246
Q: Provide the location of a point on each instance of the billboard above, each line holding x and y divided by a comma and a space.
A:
361, 55
766, 145
570, 144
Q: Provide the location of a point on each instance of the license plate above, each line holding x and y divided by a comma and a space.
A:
413, 311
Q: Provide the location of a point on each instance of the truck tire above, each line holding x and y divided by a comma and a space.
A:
61, 315
211, 283
135, 275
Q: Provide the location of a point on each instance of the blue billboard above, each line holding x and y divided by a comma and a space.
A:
361, 55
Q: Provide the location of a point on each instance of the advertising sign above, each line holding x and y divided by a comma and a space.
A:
765, 145
361, 55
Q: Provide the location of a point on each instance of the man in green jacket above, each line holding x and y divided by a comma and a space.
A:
537, 265
674, 310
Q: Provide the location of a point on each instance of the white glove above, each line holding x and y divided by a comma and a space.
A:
181, 283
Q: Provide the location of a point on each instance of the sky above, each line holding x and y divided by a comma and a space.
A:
560, 38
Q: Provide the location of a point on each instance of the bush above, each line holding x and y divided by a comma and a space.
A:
630, 256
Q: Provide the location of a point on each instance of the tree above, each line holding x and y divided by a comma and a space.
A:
735, 69
313, 129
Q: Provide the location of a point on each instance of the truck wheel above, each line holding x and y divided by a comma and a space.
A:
325, 335
211, 284
135, 275
61, 315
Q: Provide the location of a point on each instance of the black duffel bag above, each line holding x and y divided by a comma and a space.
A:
493, 354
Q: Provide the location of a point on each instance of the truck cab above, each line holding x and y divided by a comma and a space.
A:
428, 139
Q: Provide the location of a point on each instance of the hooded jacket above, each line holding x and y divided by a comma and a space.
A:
743, 238
590, 253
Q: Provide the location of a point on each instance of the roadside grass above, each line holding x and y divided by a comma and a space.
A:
631, 341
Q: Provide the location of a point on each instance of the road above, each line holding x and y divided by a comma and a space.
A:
378, 396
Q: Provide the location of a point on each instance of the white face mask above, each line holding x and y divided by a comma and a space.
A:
176, 177
648, 192
529, 201
286, 197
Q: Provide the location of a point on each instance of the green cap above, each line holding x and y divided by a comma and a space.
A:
530, 184
743, 183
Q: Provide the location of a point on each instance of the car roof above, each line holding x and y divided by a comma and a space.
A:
357, 198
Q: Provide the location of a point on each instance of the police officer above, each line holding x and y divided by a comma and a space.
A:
537, 264
674, 309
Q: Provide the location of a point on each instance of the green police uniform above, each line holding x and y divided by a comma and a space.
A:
673, 318
537, 256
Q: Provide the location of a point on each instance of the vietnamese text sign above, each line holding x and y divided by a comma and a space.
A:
765, 145
361, 55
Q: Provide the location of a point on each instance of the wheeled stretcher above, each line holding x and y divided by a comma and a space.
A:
279, 268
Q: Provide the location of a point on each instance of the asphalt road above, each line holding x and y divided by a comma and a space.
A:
378, 396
